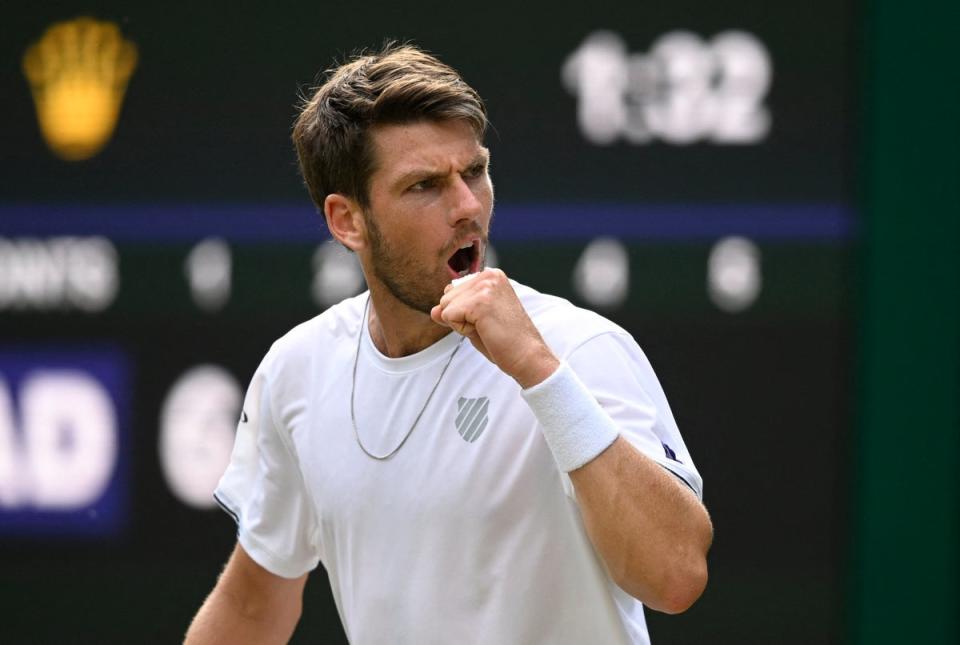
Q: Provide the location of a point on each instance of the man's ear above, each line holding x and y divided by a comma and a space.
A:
345, 221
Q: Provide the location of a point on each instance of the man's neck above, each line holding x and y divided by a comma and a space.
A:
398, 330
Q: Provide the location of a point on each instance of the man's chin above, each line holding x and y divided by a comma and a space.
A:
420, 302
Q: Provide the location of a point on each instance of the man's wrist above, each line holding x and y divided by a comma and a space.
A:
537, 367
576, 427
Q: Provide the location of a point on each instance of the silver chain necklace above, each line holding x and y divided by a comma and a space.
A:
353, 390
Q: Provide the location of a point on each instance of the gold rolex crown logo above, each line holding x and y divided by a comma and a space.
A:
78, 73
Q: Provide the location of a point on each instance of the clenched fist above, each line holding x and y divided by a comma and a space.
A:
486, 310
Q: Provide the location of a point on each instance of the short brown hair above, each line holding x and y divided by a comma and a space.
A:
399, 84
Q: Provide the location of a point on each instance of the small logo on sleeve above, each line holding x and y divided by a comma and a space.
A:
671, 455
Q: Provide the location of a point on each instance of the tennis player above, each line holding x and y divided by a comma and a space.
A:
471, 461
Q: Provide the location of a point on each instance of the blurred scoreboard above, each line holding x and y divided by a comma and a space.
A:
683, 168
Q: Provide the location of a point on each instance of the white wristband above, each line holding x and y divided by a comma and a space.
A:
576, 428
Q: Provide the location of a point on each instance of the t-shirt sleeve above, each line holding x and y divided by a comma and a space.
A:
618, 374
263, 490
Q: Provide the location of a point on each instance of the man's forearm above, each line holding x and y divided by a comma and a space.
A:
222, 619
248, 605
651, 531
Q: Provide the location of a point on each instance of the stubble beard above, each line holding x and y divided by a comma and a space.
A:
402, 277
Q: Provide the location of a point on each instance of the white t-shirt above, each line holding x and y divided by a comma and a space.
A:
470, 533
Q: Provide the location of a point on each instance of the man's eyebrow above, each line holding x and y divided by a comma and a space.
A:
414, 176
482, 158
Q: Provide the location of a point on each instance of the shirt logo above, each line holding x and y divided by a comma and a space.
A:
472, 418
671, 455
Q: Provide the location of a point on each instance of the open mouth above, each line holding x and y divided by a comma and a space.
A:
465, 260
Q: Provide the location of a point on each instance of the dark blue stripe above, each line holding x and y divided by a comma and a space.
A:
226, 509
513, 222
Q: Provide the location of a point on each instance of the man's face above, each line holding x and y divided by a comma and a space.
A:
431, 201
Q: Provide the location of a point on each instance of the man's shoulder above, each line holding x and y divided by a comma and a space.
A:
319, 334
563, 325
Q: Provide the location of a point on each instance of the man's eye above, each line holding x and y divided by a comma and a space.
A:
423, 185
475, 171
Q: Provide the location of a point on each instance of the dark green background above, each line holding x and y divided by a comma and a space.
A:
906, 540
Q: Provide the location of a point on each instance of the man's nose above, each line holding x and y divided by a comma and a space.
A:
465, 203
